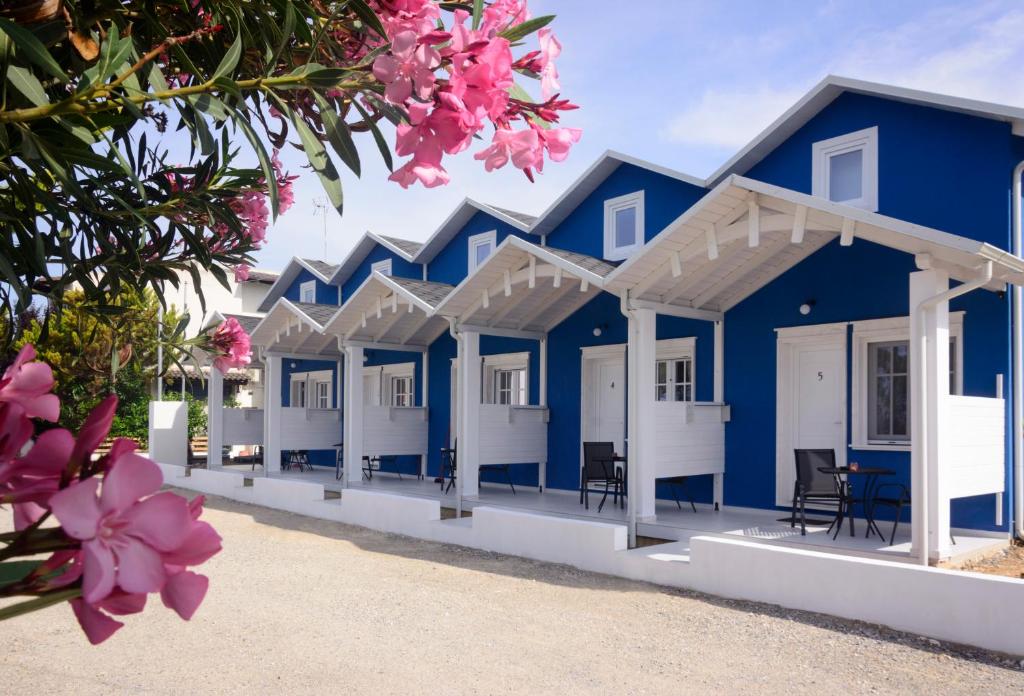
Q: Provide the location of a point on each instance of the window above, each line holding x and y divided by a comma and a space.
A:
882, 378
298, 396
507, 379
307, 291
384, 267
674, 379
845, 169
623, 225
310, 389
401, 391
480, 247
323, 394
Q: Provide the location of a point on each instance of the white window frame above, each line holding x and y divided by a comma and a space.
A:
884, 331
310, 287
383, 375
321, 395
506, 362
405, 397
670, 350
309, 382
866, 141
478, 240
613, 205
384, 267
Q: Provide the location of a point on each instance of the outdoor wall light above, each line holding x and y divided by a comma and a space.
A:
599, 329
293, 365
805, 308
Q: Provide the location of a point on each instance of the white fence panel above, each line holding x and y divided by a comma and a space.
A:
243, 426
977, 440
690, 438
168, 432
393, 430
310, 428
513, 434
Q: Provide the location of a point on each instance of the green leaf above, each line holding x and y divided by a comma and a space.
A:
521, 31
369, 17
33, 49
286, 34
478, 13
10, 611
378, 137
230, 60
26, 83
13, 571
261, 154
338, 134
320, 161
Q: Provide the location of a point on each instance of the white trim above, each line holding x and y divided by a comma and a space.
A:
384, 373
865, 141
505, 361
613, 252
670, 350
307, 286
479, 240
880, 330
382, 267
310, 379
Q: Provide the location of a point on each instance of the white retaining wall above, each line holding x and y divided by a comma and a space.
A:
982, 610
168, 431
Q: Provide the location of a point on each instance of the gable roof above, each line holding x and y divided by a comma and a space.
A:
322, 270
403, 248
296, 327
458, 219
826, 91
406, 246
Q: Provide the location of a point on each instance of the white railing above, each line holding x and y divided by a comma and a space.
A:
976, 455
243, 426
310, 428
690, 438
394, 430
513, 434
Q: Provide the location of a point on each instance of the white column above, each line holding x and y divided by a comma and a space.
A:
718, 488
353, 419
543, 376
642, 433
468, 452
272, 416
425, 403
929, 382
214, 419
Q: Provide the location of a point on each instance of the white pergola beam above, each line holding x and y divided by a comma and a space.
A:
846, 233
763, 254
799, 225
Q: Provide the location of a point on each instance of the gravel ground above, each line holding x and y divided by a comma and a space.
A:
305, 606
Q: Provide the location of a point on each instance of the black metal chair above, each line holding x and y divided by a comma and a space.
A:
599, 468
677, 484
448, 467
505, 469
812, 486
298, 459
897, 499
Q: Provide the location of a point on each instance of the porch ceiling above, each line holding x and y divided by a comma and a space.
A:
391, 311
745, 233
525, 287
296, 328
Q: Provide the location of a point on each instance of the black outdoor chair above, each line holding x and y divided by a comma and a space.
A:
298, 459
599, 469
897, 497
677, 484
812, 486
505, 469
448, 467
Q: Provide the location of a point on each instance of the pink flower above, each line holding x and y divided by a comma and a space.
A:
28, 385
524, 148
558, 141
242, 272
30, 481
15, 431
231, 343
408, 69
123, 532
550, 49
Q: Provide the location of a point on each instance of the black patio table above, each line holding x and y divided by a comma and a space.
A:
870, 474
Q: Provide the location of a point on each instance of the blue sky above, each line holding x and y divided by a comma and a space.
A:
683, 84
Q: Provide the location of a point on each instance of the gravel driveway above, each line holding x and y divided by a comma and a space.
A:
299, 605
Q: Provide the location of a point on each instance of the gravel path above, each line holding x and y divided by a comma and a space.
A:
306, 606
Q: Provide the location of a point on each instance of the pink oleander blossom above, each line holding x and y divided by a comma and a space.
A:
524, 148
550, 49
408, 69
28, 384
232, 345
242, 272
558, 141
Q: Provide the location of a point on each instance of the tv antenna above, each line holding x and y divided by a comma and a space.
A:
320, 207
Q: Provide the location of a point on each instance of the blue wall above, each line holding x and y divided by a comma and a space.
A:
451, 264
325, 294
665, 199
399, 268
316, 457
405, 464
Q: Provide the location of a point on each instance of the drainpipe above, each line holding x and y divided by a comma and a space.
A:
922, 376
454, 332
1017, 326
630, 414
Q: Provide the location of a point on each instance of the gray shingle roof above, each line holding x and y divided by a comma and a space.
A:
427, 290
601, 268
521, 217
322, 267
248, 322
320, 313
409, 247
268, 277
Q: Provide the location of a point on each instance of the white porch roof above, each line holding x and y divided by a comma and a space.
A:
391, 312
745, 233
523, 287
296, 328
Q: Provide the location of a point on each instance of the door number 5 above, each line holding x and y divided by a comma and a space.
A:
821, 375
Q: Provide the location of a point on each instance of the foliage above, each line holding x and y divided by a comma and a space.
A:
196, 413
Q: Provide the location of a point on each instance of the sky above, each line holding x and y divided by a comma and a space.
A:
683, 84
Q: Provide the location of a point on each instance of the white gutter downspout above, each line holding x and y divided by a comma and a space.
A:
1017, 326
456, 334
630, 418
922, 376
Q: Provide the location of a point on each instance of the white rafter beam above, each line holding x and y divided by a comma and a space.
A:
556, 294
763, 254
753, 223
415, 329
799, 225
389, 323
846, 233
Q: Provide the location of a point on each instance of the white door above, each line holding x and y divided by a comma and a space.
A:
812, 387
604, 410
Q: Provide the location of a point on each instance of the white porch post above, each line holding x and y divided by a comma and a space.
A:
425, 403
718, 488
353, 417
542, 400
642, 432
214, 419
929, 358
272, 416
468, 454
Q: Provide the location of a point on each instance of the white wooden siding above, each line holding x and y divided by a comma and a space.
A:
393, 430
243, 426
977, 454
310, 428
513, 434
690, 438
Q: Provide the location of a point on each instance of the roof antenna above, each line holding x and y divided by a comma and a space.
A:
320, 206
